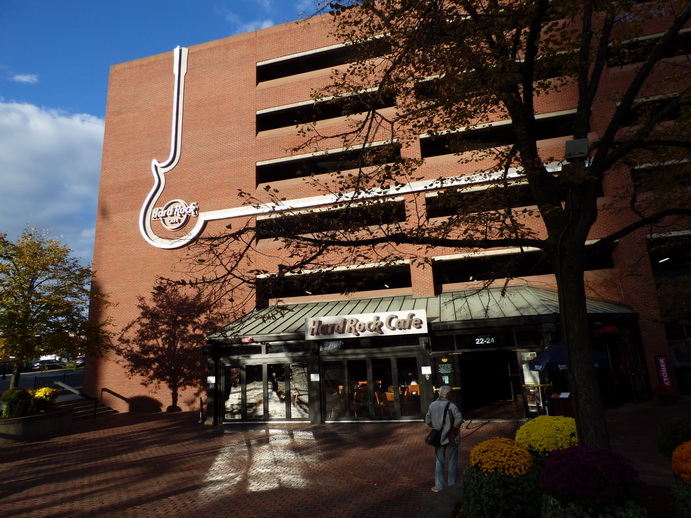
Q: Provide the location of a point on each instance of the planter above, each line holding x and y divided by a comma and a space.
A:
35, 427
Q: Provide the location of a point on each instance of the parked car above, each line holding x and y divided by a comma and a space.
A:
79, 362
49, 365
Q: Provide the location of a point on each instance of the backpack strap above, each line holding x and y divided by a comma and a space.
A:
446, 409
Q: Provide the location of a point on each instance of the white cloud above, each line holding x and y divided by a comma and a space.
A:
255, 25
25, 78
240, 25
49, 172
264, 4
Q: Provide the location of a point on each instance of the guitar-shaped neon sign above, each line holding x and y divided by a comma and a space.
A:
176, 213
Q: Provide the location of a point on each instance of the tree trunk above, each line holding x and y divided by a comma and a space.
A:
576, 335
174, 400
16, 373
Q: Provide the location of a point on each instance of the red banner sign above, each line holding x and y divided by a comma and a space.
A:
663, 370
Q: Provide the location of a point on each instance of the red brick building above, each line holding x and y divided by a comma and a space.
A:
379, 352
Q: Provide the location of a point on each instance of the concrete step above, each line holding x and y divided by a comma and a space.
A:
83, 408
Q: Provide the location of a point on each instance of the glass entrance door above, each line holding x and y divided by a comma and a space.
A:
265, 391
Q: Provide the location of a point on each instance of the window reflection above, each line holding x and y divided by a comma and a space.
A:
233, 393
299, 391
376, 388
409, 387
384, 393
255, 391
334, 387
277, 390
359, 389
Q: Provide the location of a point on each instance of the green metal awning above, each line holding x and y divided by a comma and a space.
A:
448, 311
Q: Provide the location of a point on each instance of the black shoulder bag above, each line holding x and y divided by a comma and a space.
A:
434, 436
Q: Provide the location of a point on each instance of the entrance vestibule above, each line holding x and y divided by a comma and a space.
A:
384, 359
485, 384
334, 384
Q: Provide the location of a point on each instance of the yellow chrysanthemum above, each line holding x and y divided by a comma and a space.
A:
45, 393
501, 455
545, 434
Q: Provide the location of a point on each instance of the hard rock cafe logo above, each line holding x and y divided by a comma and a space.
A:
175, 214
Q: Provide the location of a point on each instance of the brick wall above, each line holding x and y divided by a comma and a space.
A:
220, 148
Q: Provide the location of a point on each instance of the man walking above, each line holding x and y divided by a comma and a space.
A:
450, 436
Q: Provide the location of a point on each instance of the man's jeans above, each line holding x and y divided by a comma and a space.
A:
441, 454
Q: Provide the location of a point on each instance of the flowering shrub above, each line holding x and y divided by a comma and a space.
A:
18, 402
43, 399
594, 480
501, 455
681, 466
681, 462
552, 508
15, 402
545, 433
500, 481
681, 491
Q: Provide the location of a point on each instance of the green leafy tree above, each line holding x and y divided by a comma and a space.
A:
44, 302
164, 343
454, 65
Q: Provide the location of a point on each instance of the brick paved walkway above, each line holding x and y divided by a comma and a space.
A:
168, 465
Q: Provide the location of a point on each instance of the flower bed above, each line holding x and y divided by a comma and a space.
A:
18, 402
28, 415
35, 427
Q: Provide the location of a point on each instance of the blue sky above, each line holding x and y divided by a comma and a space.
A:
55, 57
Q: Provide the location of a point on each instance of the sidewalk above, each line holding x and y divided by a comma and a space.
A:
144, 465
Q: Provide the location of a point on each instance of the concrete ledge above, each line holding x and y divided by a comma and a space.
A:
35, 427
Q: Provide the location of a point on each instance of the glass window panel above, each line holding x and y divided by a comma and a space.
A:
299, 391
254, 388
233, 394
334, 383
352, 344
409, 387
384, 393
359, 389
286, 347
277, 389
